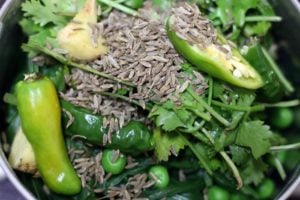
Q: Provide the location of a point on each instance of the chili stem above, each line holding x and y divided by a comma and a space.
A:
285, 147
63, 60
119, 7
208, 108
263, 18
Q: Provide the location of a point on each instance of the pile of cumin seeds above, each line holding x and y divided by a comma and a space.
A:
191, 26
132, 189
139, 52
87, 166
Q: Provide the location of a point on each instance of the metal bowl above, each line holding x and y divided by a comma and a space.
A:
10, 42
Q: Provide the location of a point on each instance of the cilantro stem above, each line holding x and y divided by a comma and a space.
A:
63, 60
279, 167
205, 116
120, 7
228, 160
285, 147
233, 168
286, 84
207, 107
198, 155
291, 103
200, 137
255, 108
148, 106
263, 18
210, 90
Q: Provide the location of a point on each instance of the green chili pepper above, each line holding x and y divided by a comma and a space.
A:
235, 70
134, 137
40, 116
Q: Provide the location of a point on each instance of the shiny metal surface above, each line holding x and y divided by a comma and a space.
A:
9, 43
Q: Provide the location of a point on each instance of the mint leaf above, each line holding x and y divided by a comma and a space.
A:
256, 136
167, 143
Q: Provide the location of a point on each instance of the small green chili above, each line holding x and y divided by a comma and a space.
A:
134, 137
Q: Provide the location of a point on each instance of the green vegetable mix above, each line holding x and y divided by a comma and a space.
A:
181, 103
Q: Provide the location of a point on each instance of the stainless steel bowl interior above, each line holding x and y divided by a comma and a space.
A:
10, 41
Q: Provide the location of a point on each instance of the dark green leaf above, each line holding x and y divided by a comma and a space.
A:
253, 171
256, 136
166, 118
167, 143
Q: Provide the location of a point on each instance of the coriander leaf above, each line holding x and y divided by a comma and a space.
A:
260, 28
208, 155
255, 135
29, 27
240, 8
239, 155
43, 38
43, 12
229, 11
253, 171
56, 12
165, 143
166, 118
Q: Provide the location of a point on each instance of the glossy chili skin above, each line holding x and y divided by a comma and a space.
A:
213, 62
134, 137
40, 115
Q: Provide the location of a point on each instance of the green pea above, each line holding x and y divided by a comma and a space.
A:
282, 117
161, 176
113, 163
217, 193
266, 189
